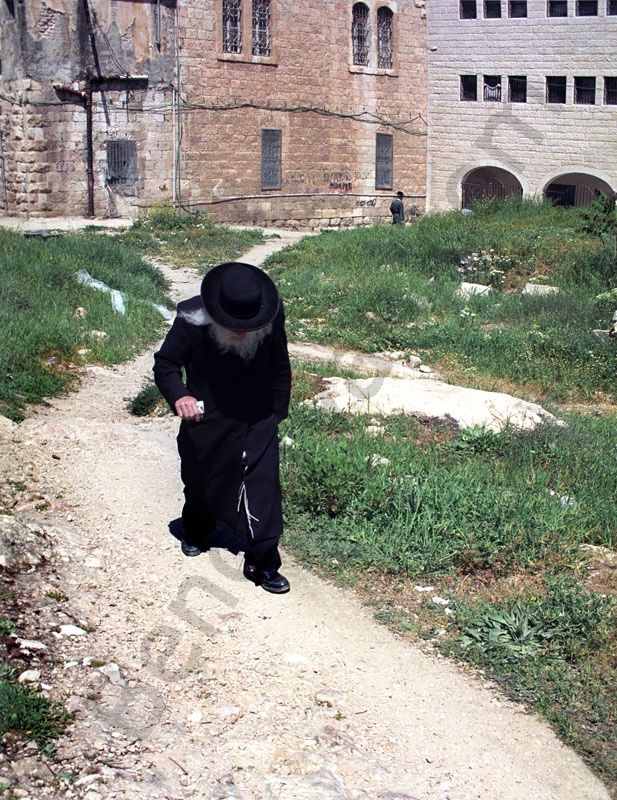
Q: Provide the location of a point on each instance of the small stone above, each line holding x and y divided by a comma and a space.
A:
30, 644
72, 630
113, 674
329, 697
29, 676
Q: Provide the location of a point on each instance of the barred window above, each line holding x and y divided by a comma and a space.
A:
517, 8
557, 8
360, 35
611, 8
585, 91
556, 89
492, 88
469, 87
384, 160
384, 38
122, 167
587, 8
492, 9
468, 10
262, 44
517, 88
610, 91
271, 158
232, 26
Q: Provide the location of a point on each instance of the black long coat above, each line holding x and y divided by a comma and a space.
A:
229, 460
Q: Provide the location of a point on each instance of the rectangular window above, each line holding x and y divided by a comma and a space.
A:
262, 44
122, 163
586, 8
469, 87
611, 8
492, 9
271, 158
232, 26
517, 8
384, 160
585, 91
468, 10
517, 88
610, 91
557, 8
492, 88
556, 89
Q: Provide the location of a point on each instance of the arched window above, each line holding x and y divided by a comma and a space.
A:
360, 35
384, 38
232, 26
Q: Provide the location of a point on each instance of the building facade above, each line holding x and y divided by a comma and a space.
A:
252, 111
522, 99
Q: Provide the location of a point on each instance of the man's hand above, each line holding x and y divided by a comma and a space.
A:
186, 408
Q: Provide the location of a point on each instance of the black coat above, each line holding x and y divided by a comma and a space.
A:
235, 444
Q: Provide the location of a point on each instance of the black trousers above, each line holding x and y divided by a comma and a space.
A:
230, 472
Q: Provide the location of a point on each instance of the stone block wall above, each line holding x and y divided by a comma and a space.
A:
535, 142
327, 110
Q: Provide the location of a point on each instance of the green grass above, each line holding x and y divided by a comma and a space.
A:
25, 713
397, 288
52, 324
189, 240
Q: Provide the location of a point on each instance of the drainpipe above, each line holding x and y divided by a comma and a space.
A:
89, 148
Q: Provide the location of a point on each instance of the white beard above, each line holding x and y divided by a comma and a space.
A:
227, 342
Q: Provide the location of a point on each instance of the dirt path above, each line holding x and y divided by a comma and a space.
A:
192, 683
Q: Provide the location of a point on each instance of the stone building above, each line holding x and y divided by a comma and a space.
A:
252, 111
522, 99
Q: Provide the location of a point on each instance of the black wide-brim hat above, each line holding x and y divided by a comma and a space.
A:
239, 297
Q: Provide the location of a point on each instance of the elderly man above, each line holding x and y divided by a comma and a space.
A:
224, 370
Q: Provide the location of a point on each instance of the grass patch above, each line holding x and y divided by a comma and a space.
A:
189, 240
386, 287
27, 714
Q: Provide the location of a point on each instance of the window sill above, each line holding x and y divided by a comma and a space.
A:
358, 70
246, 59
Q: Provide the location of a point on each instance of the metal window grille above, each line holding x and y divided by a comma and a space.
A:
587, 8
492, 9
517, 8
384, 38
557, 8
585, 91
384, 161
492, 88
469, 87
232, 26
262, 16
121, 162
360, 34
611, 8
517, 89
271, 158
610, 91
468, 10
556, 89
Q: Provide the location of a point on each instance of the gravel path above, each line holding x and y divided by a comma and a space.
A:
192, 683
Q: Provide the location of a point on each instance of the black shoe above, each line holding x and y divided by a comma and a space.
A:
190, 549
269, 579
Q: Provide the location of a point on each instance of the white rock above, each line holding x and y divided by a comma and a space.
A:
112, 673
29, 676
31, 644
72, 630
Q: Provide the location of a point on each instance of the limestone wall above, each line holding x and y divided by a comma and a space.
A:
535, 141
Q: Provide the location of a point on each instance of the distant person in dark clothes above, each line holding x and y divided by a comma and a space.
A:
231, 342
397, 209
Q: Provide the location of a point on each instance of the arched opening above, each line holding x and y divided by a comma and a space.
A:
575, 189
489, 183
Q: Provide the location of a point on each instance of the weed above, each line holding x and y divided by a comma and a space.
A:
25, 713
147, 400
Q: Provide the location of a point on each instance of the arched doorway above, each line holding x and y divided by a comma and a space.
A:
488, 183
575, 189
